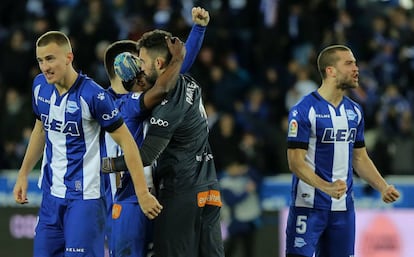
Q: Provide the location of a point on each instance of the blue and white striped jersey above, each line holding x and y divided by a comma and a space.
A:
329, 134
134, 116
75, 142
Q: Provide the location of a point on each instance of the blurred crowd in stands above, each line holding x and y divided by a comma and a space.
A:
257, 60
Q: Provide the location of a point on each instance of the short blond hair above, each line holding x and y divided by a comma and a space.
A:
57, 37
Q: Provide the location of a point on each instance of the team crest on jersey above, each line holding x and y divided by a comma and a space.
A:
293, 128
71, 107
351, 114
101, 96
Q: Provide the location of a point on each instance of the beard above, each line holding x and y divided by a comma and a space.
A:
151, 77
345, 84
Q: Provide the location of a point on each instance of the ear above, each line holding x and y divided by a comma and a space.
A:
160, 63
331, 71
69, 58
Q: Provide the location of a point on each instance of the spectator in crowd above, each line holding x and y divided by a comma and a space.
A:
225, 138
15, 116
97, 67
92, 22
303, 86
15, 57
235, 80
392, 107
240, 185
274, 93
402, 146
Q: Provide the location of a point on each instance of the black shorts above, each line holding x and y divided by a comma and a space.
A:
189, 224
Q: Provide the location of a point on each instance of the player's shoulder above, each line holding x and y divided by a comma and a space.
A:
188, 84
39, 80
89, 87
349, 101
186, 78
90, 91
307, 101
90, 83
41, 87
184, 82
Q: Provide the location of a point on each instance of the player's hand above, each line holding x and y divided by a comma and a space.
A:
390, 194
337, 189
176, 48
200, 16
149, 205
20, 189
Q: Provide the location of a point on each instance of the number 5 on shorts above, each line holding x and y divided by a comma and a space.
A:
301, 224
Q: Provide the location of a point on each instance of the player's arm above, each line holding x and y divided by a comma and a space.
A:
201, 18
366, 169
193, 44
151, 149
298, 165
168, 79
33, 154
147, 201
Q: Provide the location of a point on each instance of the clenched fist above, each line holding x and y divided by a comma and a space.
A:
200, 16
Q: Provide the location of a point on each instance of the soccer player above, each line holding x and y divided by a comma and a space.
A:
73, 112
130, 228
185, 177
325, 145
129, 224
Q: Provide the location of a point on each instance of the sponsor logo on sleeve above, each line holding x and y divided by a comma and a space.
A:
159, 122
293, 128
110, 116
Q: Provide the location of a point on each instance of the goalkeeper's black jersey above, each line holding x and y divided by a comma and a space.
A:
187, 162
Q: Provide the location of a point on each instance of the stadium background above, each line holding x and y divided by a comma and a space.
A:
258, 58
